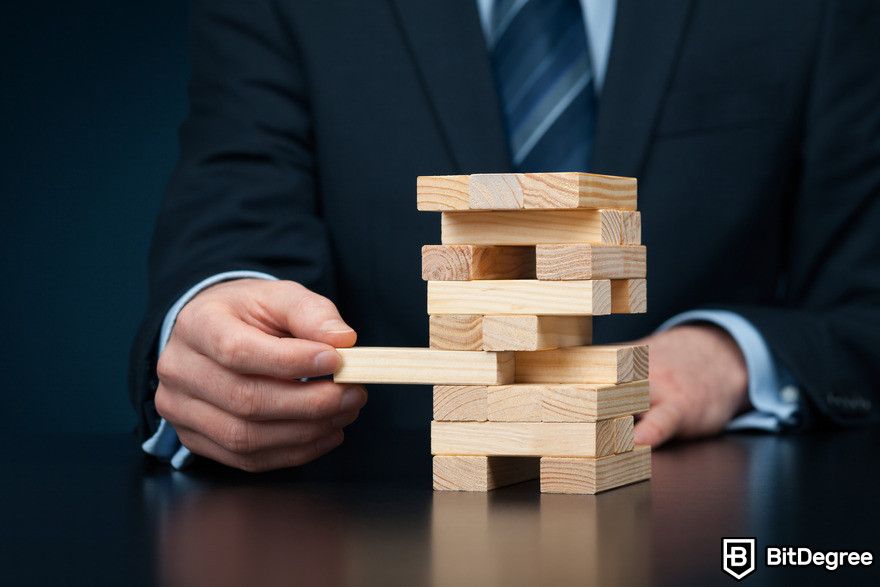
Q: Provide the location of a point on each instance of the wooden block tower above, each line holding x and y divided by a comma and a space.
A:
525, 262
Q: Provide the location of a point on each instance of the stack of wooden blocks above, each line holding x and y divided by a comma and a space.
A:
526, 261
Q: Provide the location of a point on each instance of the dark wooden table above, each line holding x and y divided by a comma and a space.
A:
91, 510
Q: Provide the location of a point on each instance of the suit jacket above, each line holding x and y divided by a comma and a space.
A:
753, 127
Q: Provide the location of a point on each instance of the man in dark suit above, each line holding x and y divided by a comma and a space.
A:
753, 127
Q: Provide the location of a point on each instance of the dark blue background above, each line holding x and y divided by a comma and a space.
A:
92, 95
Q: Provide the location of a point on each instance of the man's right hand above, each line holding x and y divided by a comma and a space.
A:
228, 377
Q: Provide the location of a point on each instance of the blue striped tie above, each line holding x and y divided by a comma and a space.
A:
545, 83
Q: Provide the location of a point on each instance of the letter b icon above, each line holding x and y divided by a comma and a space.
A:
738, 557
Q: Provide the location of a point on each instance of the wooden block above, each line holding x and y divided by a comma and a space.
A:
461, 403
540, 402
578, 190
584, 364
525, 296
466, 262
423, 366
605, 430
589, 476
505, 191
623, 434
535, 227
438, 193
631, 227
472, 332
514, 403
586, 261
584, 402
481, 473
456, 332
535, 333
495, 191
629, 296
526, 439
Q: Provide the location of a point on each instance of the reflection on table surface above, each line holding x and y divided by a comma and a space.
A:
666, 531
235, 536
89, 510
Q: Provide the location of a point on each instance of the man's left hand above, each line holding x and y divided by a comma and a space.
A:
698, 380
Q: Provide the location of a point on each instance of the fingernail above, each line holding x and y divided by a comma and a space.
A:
335, 326
329, 442
352, 399
326, 362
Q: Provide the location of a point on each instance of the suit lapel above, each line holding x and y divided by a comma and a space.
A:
447, 44
647, 39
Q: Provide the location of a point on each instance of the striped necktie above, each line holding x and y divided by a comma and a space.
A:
545, 83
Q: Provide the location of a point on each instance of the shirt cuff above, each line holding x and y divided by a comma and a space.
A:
164, 444
772, 391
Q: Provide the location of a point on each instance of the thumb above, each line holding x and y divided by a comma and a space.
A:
308, 315
658, 424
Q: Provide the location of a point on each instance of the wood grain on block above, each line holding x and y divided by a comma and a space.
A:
631, 228
586, 261
534, 227
586, 402
506, 191
629, 296
540, 402
582, 439
499, 191
589, 476
423, 366
534, 333
481, 473
461, 403
624, 435
625, 225
438, 193
456, 332
514, 403
605, 430
578, 190
523, 296
466, 262
585, 364
495, 191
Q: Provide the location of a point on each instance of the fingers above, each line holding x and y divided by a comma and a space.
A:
253, 397
244, 326
251, 446
658, 424
244, 437
228, 375
344, 419
244, 348
308, 315
276, 458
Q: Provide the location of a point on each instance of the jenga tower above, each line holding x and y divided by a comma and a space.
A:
526, 260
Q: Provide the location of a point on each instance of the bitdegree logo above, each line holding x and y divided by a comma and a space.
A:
801, 556
739, 560
738, 557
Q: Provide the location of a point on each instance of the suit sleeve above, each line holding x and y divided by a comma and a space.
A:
826, 331
243, 194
